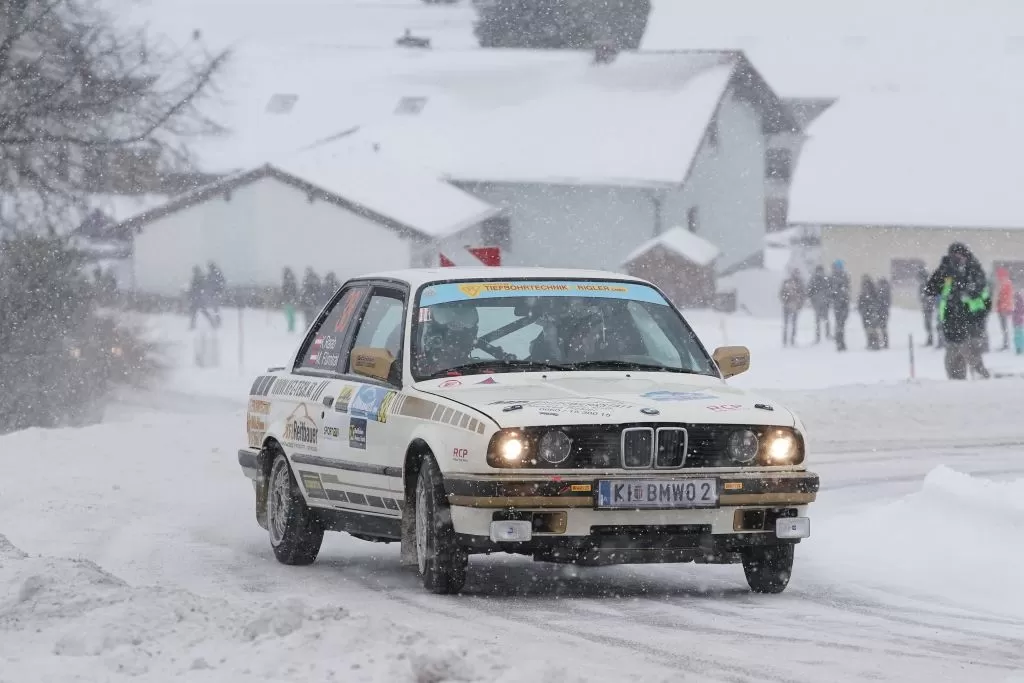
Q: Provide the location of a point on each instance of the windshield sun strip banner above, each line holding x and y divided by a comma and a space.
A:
593, 289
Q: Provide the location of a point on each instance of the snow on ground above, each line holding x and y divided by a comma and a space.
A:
137, 555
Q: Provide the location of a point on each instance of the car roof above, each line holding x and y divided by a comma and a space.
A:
421, 276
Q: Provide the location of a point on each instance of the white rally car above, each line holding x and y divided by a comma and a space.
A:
571, 416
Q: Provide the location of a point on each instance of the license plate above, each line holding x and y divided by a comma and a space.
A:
657, 493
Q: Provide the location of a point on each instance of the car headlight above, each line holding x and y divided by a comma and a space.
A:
781, 448
510, 449
554, 447
743, 446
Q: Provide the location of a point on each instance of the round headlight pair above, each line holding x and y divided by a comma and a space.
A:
780, 447
554, 448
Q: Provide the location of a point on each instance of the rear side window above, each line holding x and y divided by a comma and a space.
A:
325, 347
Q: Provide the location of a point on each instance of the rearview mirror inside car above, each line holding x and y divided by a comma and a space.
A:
732, 360
371, 362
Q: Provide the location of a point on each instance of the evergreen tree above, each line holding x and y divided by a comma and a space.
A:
562, 24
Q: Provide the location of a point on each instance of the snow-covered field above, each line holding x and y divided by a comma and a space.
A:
128, 549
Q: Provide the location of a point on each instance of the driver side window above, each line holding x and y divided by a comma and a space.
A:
381, 326
659, 346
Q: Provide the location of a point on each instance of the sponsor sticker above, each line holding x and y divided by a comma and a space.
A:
725, 407
588, 407
357, 433
489, 380
460, 454
332, 433
256, 428
372, 403
344, 396
299, 388
580, 488
450, 384
300, 429
323, 352
425, 316
258, 407
462, 291
678, 396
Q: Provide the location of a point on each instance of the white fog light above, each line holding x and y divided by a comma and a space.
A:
781, 448
511, 531
791, 527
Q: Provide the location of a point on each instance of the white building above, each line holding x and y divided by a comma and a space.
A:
889, 181
590, 160
343, 215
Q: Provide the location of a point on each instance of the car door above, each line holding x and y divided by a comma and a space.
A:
375, 362
309, 394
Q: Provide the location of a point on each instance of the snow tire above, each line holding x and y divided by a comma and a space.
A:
768, 568
441, 561
295, 532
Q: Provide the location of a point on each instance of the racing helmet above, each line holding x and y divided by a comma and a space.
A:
449, 334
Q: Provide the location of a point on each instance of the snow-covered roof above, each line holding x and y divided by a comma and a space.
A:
415, 197
680, 241
913, 161
412, 201
555, 117
809, 48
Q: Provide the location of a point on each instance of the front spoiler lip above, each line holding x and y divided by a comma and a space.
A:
783, 488
248, 460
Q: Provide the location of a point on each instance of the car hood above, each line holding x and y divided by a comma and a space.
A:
607, 397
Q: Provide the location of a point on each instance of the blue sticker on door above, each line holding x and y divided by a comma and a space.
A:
357, 433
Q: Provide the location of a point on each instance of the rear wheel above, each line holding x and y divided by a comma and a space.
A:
768, 568
442, 562
295, 533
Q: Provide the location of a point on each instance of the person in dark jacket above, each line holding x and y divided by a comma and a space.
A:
198, 298
817, 291
289, 297
867, 306
839, 298
884, 309
792, 296
964, 302
215, 288
310, 298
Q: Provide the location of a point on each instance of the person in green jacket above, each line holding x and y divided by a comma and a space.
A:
964, 302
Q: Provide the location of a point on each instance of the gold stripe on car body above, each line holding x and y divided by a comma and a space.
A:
767, 499
522, 501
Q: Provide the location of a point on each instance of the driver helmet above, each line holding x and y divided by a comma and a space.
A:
450, 334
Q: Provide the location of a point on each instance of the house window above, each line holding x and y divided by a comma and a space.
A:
906, 271
713, 133
693, 219
411, 106
776, 213
778, 164
1016, 269
497, 232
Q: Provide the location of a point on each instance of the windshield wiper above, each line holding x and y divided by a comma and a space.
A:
627, 365
499, 365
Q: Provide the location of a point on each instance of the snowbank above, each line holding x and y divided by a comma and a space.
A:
957, 539
67, 619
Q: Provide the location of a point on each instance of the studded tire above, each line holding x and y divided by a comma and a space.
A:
441, 561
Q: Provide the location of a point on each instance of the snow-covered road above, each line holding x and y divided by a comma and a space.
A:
912, 572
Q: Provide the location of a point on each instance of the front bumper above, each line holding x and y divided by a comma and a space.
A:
568, 526
249, 461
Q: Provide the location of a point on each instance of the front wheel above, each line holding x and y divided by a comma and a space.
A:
768, 568
295, 532
442, 562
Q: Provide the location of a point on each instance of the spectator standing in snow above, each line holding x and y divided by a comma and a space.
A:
964, 302
884, 308
839, 298
289, 297
792, 296
1018, 322
867, 306
309, 299
215, 287
1004, 303
817, 291
198, 298
927, 306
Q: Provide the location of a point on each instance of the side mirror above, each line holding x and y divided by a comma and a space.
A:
732, 360
371, 362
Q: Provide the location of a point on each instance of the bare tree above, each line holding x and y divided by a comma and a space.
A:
80, 95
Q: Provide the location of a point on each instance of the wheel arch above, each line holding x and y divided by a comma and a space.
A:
418, 449
264, 462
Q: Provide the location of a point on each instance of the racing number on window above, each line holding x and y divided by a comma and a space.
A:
325, 352
348, 304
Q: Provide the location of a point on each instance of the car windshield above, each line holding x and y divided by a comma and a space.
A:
529, 325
